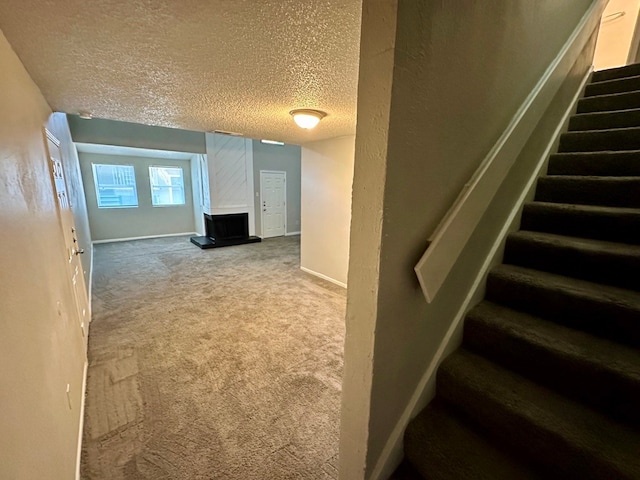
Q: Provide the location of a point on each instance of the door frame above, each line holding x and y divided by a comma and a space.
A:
284, 173
75, 269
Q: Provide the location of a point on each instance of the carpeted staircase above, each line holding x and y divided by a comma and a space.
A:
547, 381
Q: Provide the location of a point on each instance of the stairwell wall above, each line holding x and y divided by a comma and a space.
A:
41, 344
459, 73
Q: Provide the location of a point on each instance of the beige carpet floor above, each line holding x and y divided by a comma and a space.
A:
212, 364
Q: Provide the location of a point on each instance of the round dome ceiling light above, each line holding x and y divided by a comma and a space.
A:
307, 118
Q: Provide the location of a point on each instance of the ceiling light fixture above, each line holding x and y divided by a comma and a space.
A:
307, 118
272, 142
85, 115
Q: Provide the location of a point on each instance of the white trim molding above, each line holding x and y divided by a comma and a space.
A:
289, 234
455, 230
324, 277
113, 240
81, 426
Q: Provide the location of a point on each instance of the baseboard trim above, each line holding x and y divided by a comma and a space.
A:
90, 289
81, 426
324, 277
454, 231
146, 237
289, 234
392, 449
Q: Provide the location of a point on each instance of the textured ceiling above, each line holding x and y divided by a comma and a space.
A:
234, 65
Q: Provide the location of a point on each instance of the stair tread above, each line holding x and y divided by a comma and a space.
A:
604, 120
601, 132
578, 243
581, 347
615, 73
609, 102
453, 450
607, 163
611, 95
541, 420
586, 208
576, 287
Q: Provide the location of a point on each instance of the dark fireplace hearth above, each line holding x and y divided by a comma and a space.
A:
225, 230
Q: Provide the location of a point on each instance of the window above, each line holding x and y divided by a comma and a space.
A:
115, 186
167, 186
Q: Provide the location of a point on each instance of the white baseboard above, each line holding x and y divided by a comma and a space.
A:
324, 277
90, 289
113, 240
288, 234
81, 426
392, 449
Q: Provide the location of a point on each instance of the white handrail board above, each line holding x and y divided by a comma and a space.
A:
455, 230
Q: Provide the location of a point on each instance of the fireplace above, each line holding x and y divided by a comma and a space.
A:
225, 230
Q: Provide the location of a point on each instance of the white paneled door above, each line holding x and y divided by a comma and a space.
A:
73, 249
273, 194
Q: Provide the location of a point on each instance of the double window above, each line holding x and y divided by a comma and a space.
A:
116, 186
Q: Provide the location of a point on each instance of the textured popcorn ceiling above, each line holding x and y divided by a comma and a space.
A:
235, 65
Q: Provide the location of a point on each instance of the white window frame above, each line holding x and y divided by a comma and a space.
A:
152, 186
98, 186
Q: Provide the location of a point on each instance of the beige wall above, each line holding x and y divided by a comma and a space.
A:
144, 220
432, 101
41, 347
614, 40
327, 174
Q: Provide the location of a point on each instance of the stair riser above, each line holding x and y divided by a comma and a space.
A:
614, 73
598, 141
611, 320
624, 227
609, 103
618, 270
584, 191
605, 121
514, 429
580, 380
621, 85
619, 164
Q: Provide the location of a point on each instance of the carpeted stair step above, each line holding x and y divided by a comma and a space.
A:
632, 70
607, 311
583, 190
604, 223
610, 263
600, 140
605, 120
405, 471
596, 371
615, 85
571, 440
623, 163
611, 102
441, 446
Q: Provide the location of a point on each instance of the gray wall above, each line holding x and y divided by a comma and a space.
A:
145, 220
439, 83
41, 344
108, 132
284, 158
